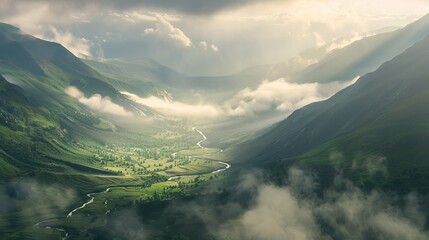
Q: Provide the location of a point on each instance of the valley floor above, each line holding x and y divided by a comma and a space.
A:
145, 174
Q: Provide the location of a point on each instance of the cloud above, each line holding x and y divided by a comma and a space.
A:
248, 32
350, 213
176, 109
280, 95
204, 45
255, 209
214, 48
164, 28
126, 225
193, 7
80, 47
29, 16
37, 20
355, 214
136, 16
345, 41
279, 215
98, 103
269, 97
33, 198
319, 40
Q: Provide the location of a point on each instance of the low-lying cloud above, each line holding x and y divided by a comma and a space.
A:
299, 210
290, 212
278, 215
35, 199
126, 225
98, 103
176, 109
280, 95
277, 96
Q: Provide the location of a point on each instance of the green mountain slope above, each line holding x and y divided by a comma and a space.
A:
41, 127
378, 125
22, 52
33, 137
45, 69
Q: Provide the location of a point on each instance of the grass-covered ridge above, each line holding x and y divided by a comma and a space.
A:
373, 132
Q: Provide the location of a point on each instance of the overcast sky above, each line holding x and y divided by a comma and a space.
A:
204, 37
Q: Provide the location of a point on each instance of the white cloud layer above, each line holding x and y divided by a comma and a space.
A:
269, 97
281, 95
35, 198
176, 109
284, 217
97, 102
295, 212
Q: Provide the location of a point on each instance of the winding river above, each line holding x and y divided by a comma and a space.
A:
204, 138
227, 166
92, 197
91, 200
62, 230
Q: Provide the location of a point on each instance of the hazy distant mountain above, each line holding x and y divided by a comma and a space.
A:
335, 61
146, 77
365, 55
377, 125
